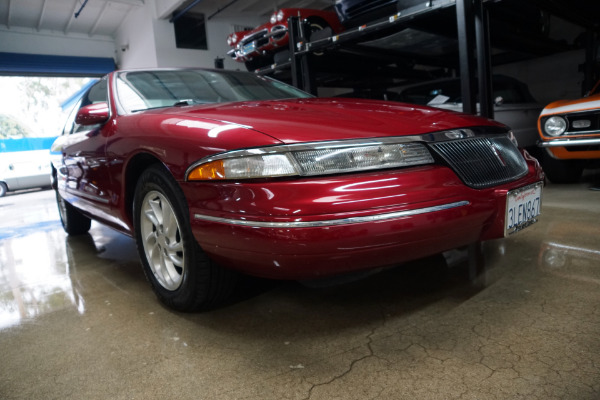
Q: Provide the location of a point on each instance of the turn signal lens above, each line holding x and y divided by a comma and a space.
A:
208, 171
555, 126
263, 166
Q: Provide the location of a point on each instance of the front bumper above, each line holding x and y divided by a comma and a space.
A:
311, 228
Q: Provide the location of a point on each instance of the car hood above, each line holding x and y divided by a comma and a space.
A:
566, 106
306, 120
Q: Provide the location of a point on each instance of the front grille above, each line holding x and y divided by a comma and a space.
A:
591, 126
254, 36
483, 162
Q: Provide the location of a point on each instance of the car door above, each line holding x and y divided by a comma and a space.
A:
83, 177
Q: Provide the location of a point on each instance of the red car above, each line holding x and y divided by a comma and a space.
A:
220, 171
257, 47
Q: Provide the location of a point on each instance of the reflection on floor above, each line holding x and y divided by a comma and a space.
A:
79, 321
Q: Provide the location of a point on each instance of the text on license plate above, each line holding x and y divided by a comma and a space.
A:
523, 206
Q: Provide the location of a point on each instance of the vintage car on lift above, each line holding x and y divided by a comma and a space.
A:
257, 47
220, 171
570, 136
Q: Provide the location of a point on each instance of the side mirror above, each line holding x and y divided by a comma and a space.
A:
93, 114
498, 101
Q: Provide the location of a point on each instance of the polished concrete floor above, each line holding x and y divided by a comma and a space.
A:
79, 321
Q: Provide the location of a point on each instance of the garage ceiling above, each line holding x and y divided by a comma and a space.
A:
98, 17
103, 17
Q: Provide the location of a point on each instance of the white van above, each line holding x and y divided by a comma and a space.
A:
24, 170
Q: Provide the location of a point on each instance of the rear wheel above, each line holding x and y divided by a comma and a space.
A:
73, 222
181, 274
561, 171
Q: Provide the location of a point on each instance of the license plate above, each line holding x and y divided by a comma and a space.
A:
249, 48
523, 206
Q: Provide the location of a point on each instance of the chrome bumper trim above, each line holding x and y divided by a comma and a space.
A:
569, 142
332, 222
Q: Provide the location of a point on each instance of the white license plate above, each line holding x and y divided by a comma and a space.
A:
249, 48
523, 206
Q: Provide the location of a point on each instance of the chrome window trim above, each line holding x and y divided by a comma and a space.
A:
331, 222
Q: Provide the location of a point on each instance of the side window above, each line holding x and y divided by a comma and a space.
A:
69, 124
96, 94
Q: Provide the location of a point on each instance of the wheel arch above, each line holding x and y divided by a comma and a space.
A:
135, 167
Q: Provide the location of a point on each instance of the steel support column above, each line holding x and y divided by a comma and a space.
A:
484, 63
589, 68
466, 49
302, 76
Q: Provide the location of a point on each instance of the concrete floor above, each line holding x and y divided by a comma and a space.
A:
79, 321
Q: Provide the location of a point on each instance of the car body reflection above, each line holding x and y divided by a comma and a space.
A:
566, 256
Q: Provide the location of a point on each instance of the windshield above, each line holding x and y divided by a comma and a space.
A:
143, 90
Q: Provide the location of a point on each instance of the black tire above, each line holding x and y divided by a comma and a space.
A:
181, 274
73, 222
316, 25
3, 189
561, 171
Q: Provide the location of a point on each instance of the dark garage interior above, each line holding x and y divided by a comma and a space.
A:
224, 235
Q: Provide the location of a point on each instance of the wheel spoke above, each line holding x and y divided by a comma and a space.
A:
155, 205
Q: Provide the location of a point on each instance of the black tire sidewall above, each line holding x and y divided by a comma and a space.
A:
73, 222
3, 189
159, 180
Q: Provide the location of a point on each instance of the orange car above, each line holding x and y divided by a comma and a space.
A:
570, 136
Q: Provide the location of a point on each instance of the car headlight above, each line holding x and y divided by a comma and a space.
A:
273, 18
309, 160
280, 16
555, 126
229, 41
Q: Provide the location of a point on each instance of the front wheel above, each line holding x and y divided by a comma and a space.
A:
73, 222
3, 189
181, 274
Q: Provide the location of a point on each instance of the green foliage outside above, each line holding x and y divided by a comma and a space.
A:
10, 128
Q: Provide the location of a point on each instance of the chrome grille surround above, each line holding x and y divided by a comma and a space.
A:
483, 162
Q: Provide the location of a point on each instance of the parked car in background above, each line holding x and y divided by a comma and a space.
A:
569, 132
256, 48
221, 171
513, 103
356, 12
24, 170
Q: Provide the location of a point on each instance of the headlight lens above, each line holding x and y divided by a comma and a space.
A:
273, 18
309, 160
280, 16
555, 126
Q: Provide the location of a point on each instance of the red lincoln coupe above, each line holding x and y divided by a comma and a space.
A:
220, 171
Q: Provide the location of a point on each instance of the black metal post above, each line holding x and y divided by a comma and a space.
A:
294, 32
484, 63
302, 76
591, 47
466, 45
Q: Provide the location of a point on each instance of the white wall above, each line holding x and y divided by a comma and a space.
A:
30, 41
134, 40
217, 31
